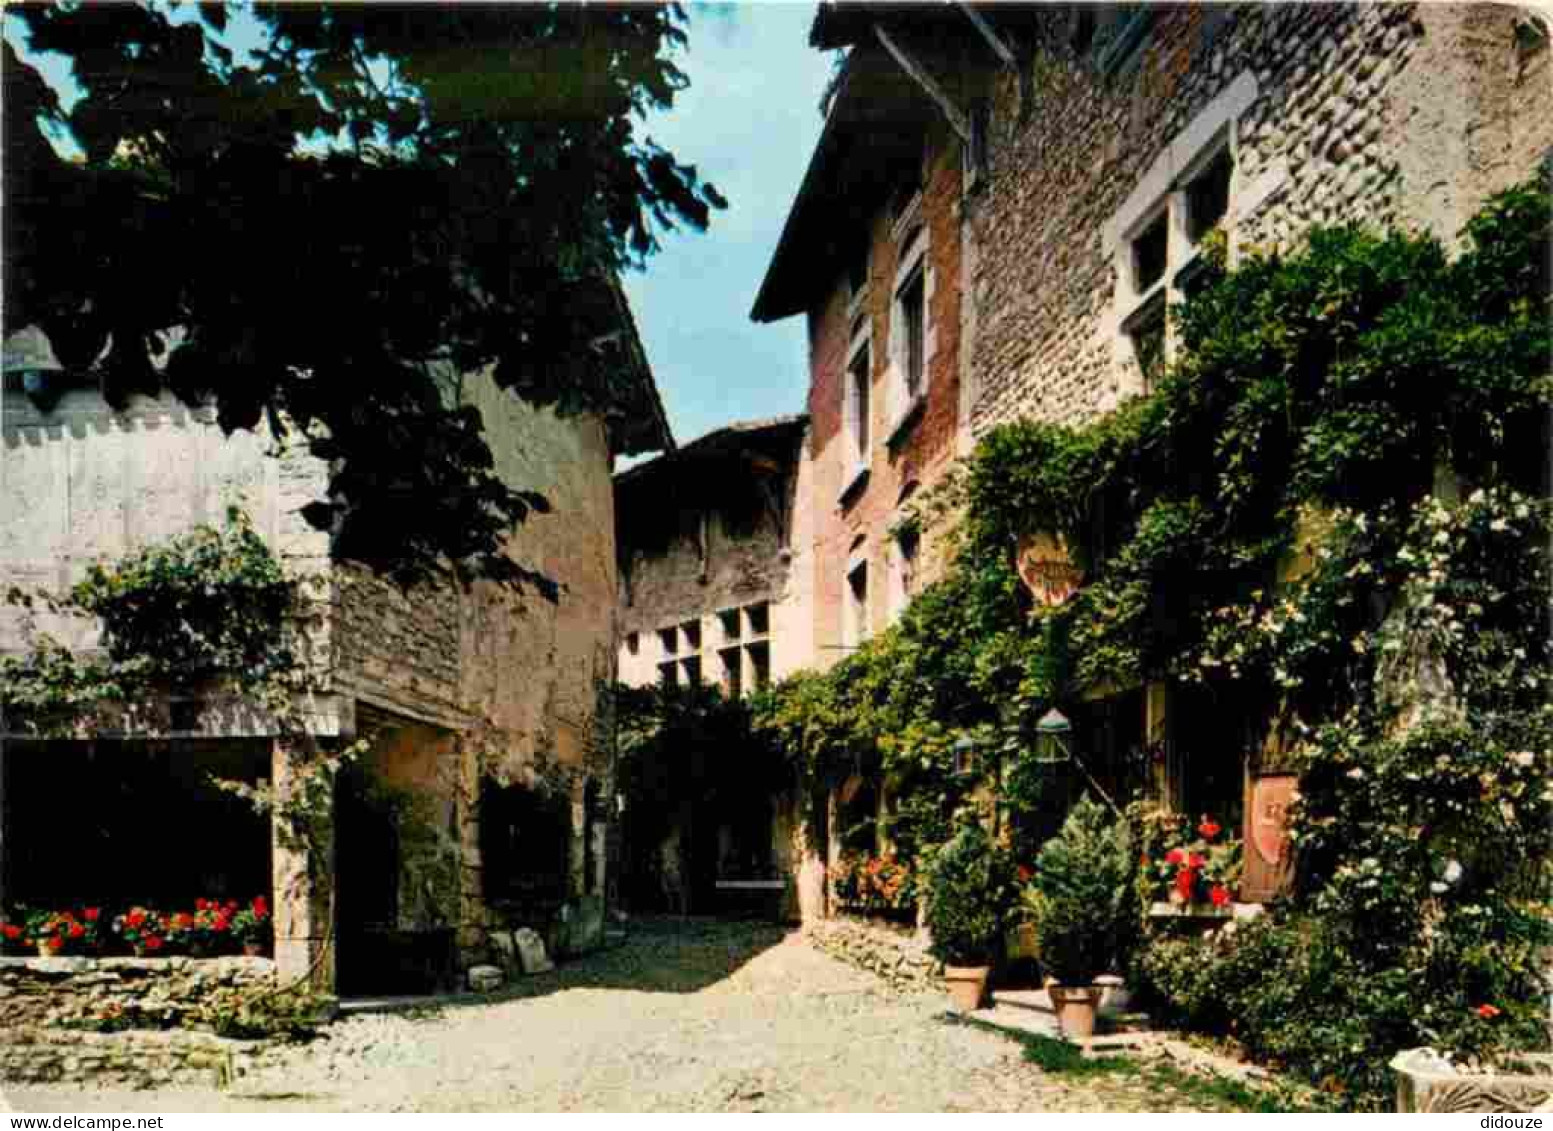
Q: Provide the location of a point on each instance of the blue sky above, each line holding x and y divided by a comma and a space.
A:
748, 121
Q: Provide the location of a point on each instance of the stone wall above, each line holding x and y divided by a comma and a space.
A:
60, 991
1375, 113
83, 482
704, 531
897, 954
142, 1059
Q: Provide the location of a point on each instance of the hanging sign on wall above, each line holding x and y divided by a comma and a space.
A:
1046, 566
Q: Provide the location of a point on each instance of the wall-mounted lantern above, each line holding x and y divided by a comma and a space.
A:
1053, 734
964, 750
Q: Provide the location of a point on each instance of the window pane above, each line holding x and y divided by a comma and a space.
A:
1148, 254
1207, 197
859, 384
912, 325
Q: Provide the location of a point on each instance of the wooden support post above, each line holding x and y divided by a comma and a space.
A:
919, 74
304, 879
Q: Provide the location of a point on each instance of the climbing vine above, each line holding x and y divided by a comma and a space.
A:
211, 610
1334, 508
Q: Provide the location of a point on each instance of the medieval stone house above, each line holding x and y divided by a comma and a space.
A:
1006, 200
707, 598
482, 803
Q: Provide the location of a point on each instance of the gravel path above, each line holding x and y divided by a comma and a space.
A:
686, 1016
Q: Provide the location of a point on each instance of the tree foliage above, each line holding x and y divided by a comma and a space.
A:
323, 232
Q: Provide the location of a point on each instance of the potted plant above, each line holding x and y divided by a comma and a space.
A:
56, 933
970, 896
213, 926
1192, 870
1081, 906
143, 930
252, 925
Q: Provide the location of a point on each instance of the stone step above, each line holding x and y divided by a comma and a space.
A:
1037, 1000
1015, 1020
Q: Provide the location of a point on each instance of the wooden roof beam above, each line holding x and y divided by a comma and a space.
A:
919, 74
995, 41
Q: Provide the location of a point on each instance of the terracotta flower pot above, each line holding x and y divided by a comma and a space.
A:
1075, 1007
253, 949
967, 985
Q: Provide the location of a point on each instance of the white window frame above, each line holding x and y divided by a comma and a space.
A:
914, 261
1162, 191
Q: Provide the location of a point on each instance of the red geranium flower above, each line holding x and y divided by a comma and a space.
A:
1026, 873
1209, 828
261, 906
91, 914
183, 920
11, 931
1219, 894
151, 942
1488, 1012
1174, 856
56, 943
1186, 880
201, 904
1195, 861
135, 917
1143, 861
76, 930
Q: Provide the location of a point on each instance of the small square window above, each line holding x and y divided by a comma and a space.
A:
633, 642
690, 632
668, 674
729, 618
760, 619
733, 681
1207, 195
691, 669
1148, 254
760, 665
669, 638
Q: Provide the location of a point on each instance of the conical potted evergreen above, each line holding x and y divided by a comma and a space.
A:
1082, 907
970, 897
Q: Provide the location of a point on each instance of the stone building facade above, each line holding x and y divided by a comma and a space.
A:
1264, 119
704, 540
1075, 157
704, 536
479, 804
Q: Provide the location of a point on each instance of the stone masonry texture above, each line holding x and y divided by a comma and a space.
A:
1370, 113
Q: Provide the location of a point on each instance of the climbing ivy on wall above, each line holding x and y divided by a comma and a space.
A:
212, 603
1333, 507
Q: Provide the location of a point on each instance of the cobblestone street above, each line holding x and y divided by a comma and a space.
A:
694, 1016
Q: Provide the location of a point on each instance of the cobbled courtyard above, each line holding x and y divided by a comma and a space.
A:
684, 1016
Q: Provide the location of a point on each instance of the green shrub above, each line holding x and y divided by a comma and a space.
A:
1082, 901
970, 897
